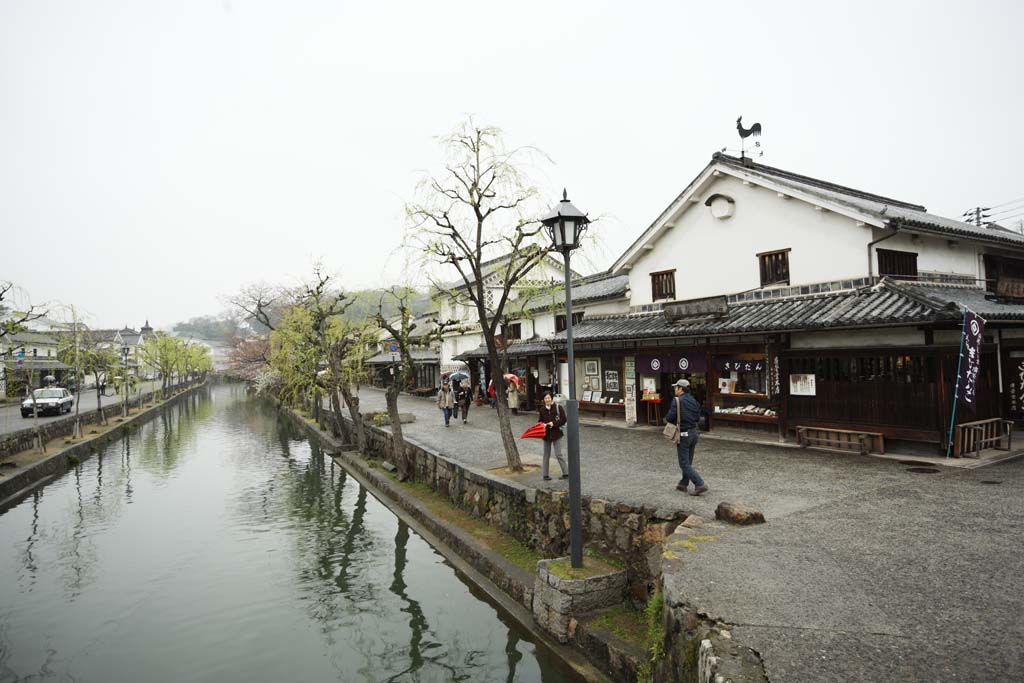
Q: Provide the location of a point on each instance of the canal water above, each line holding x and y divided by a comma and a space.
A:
216, 543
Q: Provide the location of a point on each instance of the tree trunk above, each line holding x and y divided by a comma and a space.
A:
99, 403
508, 439
357, 419
398, 451
338, 425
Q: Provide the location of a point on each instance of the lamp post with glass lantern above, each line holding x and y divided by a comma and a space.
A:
565, 225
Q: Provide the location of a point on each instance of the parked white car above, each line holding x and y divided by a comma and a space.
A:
54, 400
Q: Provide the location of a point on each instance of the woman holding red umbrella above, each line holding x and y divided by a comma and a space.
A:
552, 416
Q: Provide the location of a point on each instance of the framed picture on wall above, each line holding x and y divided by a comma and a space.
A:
595, 382
611, 380
591, 367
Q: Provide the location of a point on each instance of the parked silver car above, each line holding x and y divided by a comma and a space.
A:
54, 400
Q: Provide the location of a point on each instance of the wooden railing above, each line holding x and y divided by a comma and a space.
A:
969, 438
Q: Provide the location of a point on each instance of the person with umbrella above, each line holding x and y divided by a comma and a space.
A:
513, 392
463, 396
552, 416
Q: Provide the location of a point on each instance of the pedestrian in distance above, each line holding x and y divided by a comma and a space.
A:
553, 417
446, 401
513, 397
685, 413
464, 397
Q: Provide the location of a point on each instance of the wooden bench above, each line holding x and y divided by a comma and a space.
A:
969, 438
841, 439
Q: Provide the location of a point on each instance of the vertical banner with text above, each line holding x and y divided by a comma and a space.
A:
970, 360
968, 367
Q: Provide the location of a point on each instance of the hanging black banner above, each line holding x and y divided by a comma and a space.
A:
970, 359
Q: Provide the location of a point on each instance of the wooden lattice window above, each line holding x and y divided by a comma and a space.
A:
897, 264
663, 285
774, 267
577, 318
514, 331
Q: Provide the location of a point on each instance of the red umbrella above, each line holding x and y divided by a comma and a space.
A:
512, 378
537, 431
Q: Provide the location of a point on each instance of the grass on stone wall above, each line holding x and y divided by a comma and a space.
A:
489, 536
625, 622
654, 636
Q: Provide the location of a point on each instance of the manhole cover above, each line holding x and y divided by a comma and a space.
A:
923, 470
990, 481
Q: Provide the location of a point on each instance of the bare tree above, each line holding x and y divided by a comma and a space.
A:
480, 208
12, 321
407, 334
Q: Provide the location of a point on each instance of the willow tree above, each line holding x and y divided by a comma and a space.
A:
316, 349
479, 221
408, 334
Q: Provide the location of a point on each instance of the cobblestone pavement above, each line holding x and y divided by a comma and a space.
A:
638, 466
865, 571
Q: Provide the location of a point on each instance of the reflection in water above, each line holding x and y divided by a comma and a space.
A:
219, 532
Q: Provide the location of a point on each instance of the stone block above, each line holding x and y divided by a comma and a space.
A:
737, 513
693, 522
597, 506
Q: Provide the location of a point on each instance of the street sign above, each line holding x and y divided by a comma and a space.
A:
393, 347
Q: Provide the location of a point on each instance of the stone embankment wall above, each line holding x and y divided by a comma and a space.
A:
24, 439
697, 648
539, 518
14, 487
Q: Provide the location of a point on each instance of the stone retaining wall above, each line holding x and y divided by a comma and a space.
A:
540, 518
698, 649
31, 477
24, 439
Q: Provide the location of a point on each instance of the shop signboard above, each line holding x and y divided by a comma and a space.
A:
630, 386
802, 385
740, 365
673, 363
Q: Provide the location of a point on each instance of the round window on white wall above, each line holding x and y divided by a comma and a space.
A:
721, 206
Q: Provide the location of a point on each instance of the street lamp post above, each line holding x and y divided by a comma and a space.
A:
124, 380
565, 225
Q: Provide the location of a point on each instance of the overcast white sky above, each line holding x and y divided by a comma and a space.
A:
154, 156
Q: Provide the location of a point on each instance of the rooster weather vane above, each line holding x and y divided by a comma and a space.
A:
754, 130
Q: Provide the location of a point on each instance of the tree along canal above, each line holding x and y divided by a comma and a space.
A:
216, 543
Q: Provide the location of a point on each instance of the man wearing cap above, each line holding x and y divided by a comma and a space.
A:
685, 411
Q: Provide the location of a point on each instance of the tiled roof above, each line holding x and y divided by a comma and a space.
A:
525, 347
418, 356
591, 288
955, 297
886, 303
893, 211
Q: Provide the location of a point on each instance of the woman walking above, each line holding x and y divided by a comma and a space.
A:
445, 401
553, 417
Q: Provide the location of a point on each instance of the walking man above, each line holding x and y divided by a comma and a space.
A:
685, 412
446, 401
553, 417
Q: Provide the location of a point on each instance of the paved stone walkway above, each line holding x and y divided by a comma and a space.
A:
638, 466
865, 571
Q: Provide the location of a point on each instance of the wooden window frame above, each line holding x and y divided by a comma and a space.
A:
766, 268
560, 325
655, 290
897, 253
512, 331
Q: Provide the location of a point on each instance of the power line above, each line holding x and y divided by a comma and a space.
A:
1012, 201
1009, 210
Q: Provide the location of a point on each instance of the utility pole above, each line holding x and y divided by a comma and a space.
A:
976, 215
